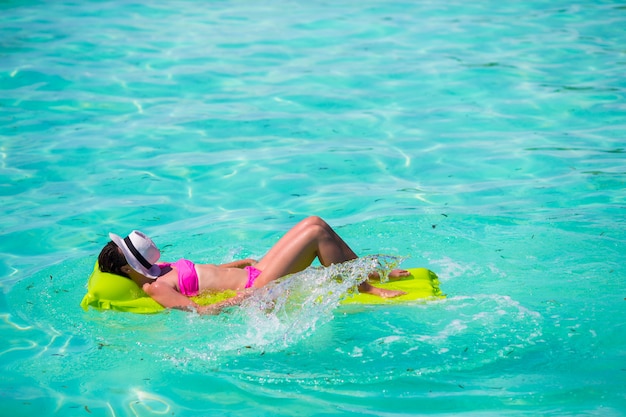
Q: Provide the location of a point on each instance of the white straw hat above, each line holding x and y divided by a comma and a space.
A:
140, 252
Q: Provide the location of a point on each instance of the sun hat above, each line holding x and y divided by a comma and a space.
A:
140, 252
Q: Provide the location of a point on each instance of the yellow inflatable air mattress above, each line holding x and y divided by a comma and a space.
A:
112, 292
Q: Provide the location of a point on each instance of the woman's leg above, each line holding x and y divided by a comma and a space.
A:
297, 249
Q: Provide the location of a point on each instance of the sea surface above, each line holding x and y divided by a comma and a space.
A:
483, 140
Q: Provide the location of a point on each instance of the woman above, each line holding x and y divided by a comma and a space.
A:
171, 284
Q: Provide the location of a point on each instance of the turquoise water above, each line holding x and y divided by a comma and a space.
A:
483, 140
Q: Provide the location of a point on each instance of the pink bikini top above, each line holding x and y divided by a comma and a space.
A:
187, 276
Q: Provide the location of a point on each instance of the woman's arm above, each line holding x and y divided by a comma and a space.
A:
239, 264
168, 297
218, 307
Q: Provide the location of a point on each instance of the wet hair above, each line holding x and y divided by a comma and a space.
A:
111, 260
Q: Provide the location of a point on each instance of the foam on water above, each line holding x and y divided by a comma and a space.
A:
402, 341
287, 311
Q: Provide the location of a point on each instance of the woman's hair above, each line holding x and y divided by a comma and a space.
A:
111, 260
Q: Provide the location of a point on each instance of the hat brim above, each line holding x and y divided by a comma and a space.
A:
153, 272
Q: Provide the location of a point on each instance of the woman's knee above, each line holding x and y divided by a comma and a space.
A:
316, 229
315, 222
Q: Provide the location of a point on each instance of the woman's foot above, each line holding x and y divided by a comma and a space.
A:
367, 288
